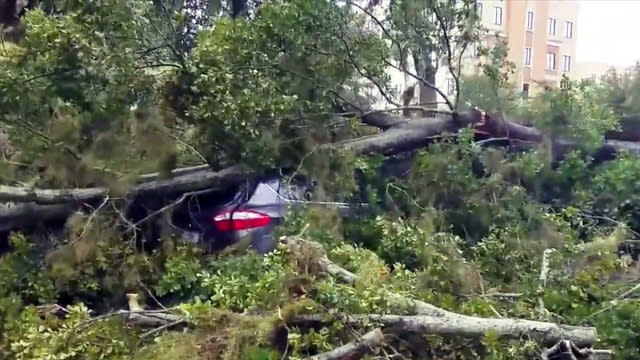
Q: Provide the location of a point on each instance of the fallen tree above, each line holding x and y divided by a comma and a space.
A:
399, 134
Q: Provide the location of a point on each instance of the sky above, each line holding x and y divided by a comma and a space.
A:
608, 31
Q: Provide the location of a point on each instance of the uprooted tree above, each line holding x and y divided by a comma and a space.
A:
500, 242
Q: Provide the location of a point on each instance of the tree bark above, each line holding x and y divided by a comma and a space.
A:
191, 180
150, 318
354, 350
44, 196
461, 325
19, 215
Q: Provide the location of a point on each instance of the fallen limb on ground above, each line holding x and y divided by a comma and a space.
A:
358, 349
462, 325
150, 318
434, 320
420, 307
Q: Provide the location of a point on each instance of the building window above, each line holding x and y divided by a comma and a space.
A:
552, 26
551, 61
527, 56
451, 87
530, 20
568, 29
498, 17
479, 10
566, 63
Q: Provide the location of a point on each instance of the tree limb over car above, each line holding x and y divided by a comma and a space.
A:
399, 134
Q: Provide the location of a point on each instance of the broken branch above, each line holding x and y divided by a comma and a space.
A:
463, 325
432, 319
190, 181
354, 350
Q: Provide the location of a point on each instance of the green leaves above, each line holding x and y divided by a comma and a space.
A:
51, 338
265, 86
575, 112
71, 89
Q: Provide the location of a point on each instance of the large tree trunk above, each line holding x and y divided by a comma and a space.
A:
427, 97
26, 214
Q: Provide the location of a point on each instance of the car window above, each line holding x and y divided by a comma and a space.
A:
266, 193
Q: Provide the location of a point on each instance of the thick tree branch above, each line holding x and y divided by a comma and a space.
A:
381, 119
434, 320
43, 196
190, 181
151, 318
19, 215
462, 325
354, 350
408, 135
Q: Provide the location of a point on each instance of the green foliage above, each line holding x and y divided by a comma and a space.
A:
492, 90
621, 90
244, 283
257, 83
67, 97
31, 337
20, 272
21, 279
574, 112
181, 271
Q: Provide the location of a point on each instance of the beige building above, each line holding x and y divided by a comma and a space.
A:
541, 36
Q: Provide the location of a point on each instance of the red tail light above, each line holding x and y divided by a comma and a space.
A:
240, 220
